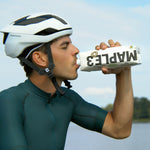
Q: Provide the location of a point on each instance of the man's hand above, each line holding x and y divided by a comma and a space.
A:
103, 46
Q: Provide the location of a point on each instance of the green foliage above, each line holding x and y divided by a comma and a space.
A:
109, 107
141, 109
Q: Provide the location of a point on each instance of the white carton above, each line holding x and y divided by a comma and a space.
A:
114, 57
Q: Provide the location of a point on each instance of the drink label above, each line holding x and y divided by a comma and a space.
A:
114, 57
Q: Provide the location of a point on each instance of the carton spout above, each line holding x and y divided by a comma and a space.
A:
78, 62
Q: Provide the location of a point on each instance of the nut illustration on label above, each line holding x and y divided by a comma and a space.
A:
94, 54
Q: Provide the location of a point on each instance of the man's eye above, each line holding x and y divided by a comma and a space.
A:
65, 46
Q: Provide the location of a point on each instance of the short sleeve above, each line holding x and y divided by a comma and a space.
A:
86, 114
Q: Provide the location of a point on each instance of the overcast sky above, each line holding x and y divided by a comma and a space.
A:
93, 21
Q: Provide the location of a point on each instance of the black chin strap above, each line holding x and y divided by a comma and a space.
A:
48, 71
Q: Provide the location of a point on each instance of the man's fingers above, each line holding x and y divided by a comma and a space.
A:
97, 47
103, 46
106, 71
117, 44
111, 43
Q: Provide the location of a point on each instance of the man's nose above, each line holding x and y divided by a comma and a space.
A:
75, 50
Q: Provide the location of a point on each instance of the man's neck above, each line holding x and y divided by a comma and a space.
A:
43, 82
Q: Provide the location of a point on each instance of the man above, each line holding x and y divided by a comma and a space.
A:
35, 114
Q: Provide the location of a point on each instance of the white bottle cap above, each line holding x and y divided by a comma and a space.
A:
78, 62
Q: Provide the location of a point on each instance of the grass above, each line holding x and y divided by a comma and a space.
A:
141, 120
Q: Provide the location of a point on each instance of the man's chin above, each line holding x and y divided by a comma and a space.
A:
73, 78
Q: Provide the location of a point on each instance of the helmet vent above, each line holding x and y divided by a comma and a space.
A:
5, 37
27, 21
47, 31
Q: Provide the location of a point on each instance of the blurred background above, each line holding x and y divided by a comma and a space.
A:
93, 21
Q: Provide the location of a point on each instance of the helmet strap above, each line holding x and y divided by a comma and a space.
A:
67, 83
48, 71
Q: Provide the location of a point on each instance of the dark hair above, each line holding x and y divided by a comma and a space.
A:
28, 70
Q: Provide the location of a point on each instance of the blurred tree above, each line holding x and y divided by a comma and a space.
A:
109, 107
141, 108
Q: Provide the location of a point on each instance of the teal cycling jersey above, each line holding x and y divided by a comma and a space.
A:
31, 119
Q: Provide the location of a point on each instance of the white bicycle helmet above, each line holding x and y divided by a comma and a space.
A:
31, 30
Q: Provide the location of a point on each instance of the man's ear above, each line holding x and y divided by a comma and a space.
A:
40, 58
